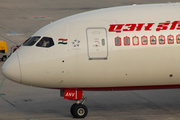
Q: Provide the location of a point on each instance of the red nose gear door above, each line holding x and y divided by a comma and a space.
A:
73, 94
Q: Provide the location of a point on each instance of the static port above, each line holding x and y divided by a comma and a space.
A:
171, 75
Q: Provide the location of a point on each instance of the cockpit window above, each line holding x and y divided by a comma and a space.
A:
31, 41
45, 42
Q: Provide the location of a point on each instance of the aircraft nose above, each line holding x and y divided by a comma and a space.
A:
11, 68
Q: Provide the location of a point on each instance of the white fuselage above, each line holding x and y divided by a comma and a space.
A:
86, 54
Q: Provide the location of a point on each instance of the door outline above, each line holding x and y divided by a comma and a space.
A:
88, 45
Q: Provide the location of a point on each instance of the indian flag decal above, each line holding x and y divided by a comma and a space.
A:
62, 41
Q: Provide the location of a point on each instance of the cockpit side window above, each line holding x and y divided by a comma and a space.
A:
45, 42
31, 41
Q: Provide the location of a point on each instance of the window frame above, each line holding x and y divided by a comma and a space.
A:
146, 40
49, 38
160, 39
29, 40
177, 39
115, 41
151, 40
124, 41
168, 39
133, 40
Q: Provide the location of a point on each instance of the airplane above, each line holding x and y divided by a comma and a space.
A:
134, 47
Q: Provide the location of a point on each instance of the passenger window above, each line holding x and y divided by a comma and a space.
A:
178, 39
170, 39
31, 41
161, 39
126, 41
153, 40
118, 41
135, 40
144, 40
45, 42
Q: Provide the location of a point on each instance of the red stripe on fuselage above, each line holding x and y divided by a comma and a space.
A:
124, 88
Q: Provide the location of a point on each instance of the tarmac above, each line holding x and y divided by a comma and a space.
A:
19, 19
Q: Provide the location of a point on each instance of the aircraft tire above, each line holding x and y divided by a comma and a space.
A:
72, 109
3, 58
79, 111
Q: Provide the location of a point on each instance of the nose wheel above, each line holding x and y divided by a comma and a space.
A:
79, 110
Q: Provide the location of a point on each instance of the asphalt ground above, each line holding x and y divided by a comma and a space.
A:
19, 19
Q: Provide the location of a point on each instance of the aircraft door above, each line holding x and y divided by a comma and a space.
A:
97, 44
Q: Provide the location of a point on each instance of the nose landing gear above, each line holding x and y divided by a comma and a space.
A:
79, 110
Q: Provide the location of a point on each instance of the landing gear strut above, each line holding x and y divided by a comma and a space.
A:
79, 110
